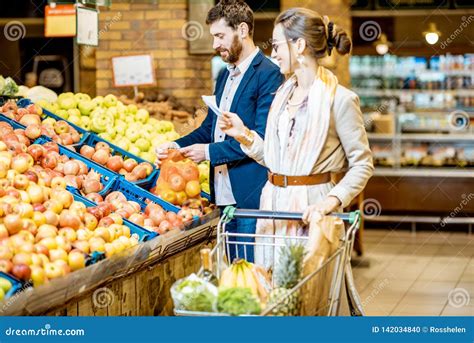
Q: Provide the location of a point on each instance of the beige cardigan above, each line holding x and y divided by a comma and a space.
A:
341, 140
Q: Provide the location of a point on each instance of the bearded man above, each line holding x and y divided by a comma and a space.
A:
246, 87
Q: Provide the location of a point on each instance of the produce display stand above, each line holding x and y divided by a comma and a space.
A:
136, 282
321, 290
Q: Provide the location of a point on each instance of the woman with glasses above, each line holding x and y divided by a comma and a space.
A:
314, 128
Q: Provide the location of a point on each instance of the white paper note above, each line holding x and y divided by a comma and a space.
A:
210, 101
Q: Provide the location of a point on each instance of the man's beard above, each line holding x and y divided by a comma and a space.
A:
234, 51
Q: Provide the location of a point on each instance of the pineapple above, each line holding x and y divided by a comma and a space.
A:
287, 274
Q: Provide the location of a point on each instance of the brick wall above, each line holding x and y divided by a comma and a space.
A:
156, 29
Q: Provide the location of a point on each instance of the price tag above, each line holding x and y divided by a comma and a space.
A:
60, 21
87, 26
135, 70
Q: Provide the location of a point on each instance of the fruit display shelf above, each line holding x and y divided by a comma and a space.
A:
16, 284
93, 139
47, 114
106, 175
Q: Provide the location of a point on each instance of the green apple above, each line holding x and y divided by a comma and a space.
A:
105, 135
172, 136
54, 107
49, 121
133, 149
206, 188
86, 107
129, 119
63, 114
86, 123
153, 122
82, 97
142, 116
203, 173
158, 140
5, 284
110, 100
42, 103
75, 119
67, 103
73, 112
121, 128
96, 110
124, 143
112, 132
169, 126
132, 133
149, 128
148, 156
113, 111
65, 95
132, 108
142, 144
2, 294
98, 100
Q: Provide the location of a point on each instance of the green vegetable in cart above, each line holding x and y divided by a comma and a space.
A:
237, 301
194, 294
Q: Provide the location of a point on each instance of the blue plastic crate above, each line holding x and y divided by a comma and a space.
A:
84, 133
16, 284
14, 124
93, 139
107, 176
142, 233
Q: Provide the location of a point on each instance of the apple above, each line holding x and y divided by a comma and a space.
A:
142, 115
21, 271
38, 276
63, 244
67, 103
76, 260
82, 246
53, 270
84, 234
13, 223
6, 266
109, 250
49, 242
58, 254
3, 232
75, 119
86, 106
5, 284
68, 233
97, 244
110, 100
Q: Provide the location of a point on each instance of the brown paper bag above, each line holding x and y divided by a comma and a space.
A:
324, 240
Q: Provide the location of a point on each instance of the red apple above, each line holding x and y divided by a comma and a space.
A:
21, 271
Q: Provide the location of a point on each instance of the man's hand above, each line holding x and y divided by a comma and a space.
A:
162, 151
195, 152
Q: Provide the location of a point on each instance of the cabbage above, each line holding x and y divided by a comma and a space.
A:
237, 301
194, 294
41, 93
9, 87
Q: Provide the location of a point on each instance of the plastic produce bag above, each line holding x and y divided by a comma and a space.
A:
194, 294
178, 182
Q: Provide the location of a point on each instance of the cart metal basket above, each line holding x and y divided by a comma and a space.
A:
333, 278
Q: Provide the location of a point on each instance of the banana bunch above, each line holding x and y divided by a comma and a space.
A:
246, 275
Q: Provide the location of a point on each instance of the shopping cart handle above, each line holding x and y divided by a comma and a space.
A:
231, 212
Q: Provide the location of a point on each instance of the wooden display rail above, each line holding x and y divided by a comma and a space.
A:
136, 283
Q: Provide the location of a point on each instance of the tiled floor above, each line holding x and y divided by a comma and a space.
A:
426, 274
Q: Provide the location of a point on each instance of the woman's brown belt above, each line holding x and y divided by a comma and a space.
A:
309, 180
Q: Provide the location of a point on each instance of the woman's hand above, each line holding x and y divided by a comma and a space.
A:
231, 124
317, 211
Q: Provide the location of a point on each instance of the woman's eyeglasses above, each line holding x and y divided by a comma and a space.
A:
275, 44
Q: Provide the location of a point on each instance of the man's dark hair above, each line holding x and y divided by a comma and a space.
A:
234, 12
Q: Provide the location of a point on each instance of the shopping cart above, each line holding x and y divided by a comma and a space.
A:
332, 279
